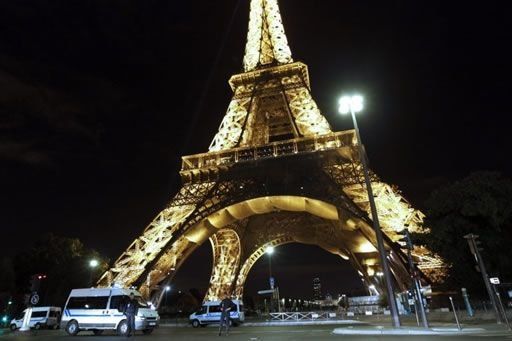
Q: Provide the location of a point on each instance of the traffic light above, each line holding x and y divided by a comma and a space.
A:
35, 281
474, 244
406, 239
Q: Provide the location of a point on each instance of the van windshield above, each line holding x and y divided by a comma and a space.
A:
119, 302
141, 302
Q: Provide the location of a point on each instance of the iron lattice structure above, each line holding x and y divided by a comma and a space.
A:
275, 173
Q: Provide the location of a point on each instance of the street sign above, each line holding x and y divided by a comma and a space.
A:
271, 280
264, 292
494, 280
34, 299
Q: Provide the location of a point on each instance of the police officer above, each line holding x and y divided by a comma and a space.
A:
225, 307
130, 310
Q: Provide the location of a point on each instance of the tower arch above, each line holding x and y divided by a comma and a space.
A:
240, 232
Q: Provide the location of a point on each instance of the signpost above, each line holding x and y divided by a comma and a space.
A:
31, 300
473, 247
415, 279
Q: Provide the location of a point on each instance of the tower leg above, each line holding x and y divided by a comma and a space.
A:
226, 264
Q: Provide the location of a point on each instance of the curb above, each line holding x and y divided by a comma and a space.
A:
277, 323
407, 331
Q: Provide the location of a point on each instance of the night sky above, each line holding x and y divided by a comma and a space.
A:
99, 100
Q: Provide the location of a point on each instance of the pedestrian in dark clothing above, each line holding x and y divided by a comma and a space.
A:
226, 305
130, 310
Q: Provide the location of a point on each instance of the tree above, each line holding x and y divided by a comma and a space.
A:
64, 261
7, 275
7, 286
480, 204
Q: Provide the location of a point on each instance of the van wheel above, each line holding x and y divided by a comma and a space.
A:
72, 328
123, 328
97, 332
147, 331
13, 327
195, 323
37, 326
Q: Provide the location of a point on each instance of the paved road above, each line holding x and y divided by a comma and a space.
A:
313, 333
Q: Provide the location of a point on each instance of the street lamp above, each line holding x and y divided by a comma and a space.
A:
269, 250
353, 104
93, 263
167, 289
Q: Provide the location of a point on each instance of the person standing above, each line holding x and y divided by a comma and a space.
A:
131, 309
226, 305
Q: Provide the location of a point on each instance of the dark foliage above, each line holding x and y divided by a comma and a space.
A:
64, 261
479, 204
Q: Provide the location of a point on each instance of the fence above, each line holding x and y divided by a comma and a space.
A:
302, 316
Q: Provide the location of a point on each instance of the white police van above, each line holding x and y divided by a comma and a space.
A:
210, 313
100, 309
42, 317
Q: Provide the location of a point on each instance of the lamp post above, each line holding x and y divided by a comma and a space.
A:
93, 263
353, 104
167, 289
269, 251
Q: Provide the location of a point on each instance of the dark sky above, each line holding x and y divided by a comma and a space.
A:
99, 99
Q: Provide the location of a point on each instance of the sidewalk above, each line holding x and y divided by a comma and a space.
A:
381, 330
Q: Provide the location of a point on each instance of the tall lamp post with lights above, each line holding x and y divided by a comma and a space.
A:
167, 289
93, 263
275, 295
353, 104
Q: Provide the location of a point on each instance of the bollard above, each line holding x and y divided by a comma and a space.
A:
25, 326
465, 296
503, 311
455, 313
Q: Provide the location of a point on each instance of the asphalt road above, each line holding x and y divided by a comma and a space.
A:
247, 334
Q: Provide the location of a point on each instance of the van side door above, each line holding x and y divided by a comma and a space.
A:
116, 307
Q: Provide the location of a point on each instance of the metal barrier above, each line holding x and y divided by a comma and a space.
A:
302, 316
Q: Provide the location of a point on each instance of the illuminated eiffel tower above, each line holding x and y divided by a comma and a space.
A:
275, 173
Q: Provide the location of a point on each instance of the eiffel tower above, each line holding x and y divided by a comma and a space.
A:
275, 173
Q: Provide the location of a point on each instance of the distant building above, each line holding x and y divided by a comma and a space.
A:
317, 289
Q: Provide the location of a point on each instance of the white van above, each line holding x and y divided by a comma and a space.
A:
99, 309
42, 317
210, 313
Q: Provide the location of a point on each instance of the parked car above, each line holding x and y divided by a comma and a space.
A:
210, 313
100, 309
41, 317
